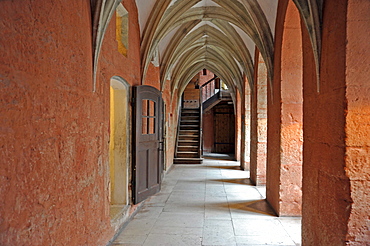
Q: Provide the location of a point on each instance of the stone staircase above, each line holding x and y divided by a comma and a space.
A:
188, 139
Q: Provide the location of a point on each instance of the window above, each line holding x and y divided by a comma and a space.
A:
148, 117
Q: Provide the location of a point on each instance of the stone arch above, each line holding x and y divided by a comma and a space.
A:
102, 14
285, 116
182, 15
215, 39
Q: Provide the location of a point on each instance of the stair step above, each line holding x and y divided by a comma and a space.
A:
187, 149
183, 155
189, 117
190, 122
189, 114
185, 136
190, 138
184, 128
187, 160
188, 133
192, 144
192, 110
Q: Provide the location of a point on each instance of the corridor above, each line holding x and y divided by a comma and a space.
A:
209, 204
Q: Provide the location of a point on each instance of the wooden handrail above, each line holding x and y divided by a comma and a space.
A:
178, 131
200, 149
209, 81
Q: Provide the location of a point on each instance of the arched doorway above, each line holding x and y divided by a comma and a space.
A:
119, 147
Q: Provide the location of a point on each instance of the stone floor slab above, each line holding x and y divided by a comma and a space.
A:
212, 203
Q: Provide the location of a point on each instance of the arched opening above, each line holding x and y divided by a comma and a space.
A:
285, 116
207, 119
119, 147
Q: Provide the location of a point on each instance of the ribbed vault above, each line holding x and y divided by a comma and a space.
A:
203, 35
185, 36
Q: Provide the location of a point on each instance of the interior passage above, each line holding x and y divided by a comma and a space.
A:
209, 204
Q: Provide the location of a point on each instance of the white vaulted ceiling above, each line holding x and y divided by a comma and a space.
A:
184, 36
218, 35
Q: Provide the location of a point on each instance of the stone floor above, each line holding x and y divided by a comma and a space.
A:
209, 204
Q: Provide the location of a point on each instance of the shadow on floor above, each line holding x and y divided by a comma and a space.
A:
252, 206
219, 156
245, 181
226, 167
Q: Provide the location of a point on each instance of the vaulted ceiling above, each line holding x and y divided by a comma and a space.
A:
182, 37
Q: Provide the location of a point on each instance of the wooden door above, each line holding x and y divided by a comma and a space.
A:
148, 141
224, 128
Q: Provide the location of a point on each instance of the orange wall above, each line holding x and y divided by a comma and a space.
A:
54, 129
284, 145
326, 191
358, 119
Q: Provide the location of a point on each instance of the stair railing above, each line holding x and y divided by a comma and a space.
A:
208, 94
207, 87
178, 130
200, 149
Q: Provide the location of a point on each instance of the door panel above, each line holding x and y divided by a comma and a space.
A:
224, 122
147, 166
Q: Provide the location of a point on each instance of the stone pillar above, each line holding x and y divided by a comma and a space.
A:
357, 157
246, 126
238, 126
285, 123
259, 123
336, 148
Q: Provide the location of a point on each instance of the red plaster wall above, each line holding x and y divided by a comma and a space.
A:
111, 62
326, 190
152, 77
284, 146
54, 129
205, 78
171, 122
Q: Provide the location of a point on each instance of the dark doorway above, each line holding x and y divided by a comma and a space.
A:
224, 128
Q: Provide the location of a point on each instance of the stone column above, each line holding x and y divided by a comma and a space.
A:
285, 122
259, 123
246, 126
336, 148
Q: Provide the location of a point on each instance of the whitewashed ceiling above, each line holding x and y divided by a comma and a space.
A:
218, 35
184, 36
